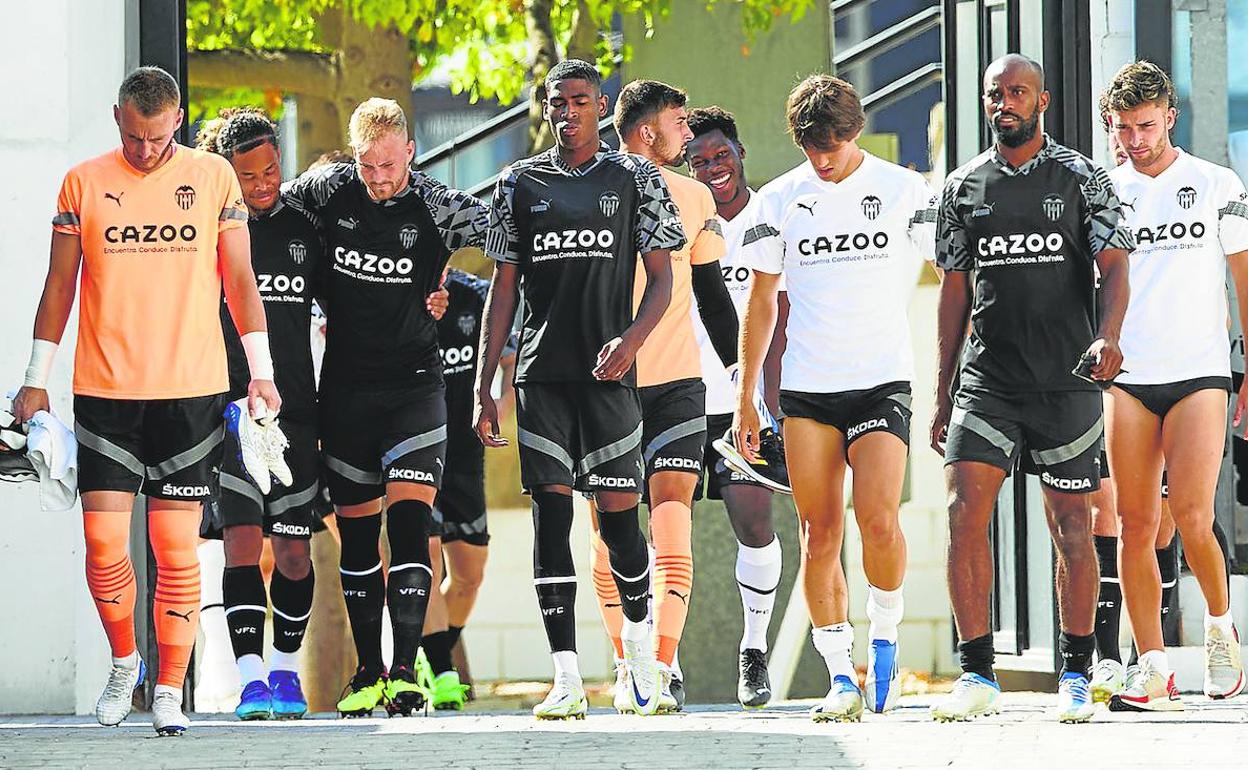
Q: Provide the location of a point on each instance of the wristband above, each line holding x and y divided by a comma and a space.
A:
259, 360
40, 367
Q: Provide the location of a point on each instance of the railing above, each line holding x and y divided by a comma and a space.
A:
473, 160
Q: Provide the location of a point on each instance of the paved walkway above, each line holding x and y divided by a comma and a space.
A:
1208, 735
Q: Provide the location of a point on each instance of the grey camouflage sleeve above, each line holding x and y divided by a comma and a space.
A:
502, 241
1104, 216
658, 223
952, 250
461, 218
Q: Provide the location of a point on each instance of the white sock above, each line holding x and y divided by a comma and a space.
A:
884, 610
834, 643
1223, 623
164, 688
251, 669
566, 665
283, 661
1156, 660
676, 666
387, 635
758, 576
216, 671
216, 642
638, 631
129, 661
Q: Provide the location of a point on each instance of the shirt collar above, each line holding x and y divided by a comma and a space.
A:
1045, 151
414, 180
272, 211
557, 159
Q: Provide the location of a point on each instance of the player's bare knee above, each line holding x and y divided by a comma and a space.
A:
1071, 528
823, 543
242, 545
1192, 517
966, 516
293, 558
616, 501
881, 529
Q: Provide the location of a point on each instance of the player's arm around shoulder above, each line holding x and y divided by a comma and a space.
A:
461, 217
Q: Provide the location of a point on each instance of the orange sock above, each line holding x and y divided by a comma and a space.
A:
671, 530
110, 575
174, 535
607, 592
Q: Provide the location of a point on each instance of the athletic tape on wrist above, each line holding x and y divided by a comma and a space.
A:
259, 359
40, 367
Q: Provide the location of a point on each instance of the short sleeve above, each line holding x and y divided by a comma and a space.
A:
68, 218
1107, 227
233, 211
708, 244
952, 249
658, 224
461, 218
762, 247
923, 220
502, 240
1233, 216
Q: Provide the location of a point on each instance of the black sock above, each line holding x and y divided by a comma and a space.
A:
1109, 602
453, 633
363, 586
242, 588
554, 576
438, 650
1168, 566
292, 606
1076, 652
407, 590
976, 656
630, 560
1225, 543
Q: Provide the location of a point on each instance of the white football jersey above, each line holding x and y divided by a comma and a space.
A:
850, 253
721, 393
1186, 220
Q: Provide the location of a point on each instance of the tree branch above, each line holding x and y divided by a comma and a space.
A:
299, 72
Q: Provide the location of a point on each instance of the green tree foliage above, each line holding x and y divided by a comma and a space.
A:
491, 40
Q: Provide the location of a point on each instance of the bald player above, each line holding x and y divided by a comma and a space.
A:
1021, 230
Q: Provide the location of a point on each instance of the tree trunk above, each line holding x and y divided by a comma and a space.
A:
320, 128
545, 54
583, 42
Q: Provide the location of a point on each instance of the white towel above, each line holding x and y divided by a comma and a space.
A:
53, 450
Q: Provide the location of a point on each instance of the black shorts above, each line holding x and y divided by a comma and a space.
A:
459, 511
285, 511
716, 472
373, 436
586, 435
673, 426
1160, 399
169, 449
855, 413
1060, 432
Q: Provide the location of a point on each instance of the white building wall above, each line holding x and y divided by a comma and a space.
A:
1113, 45
60, 66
